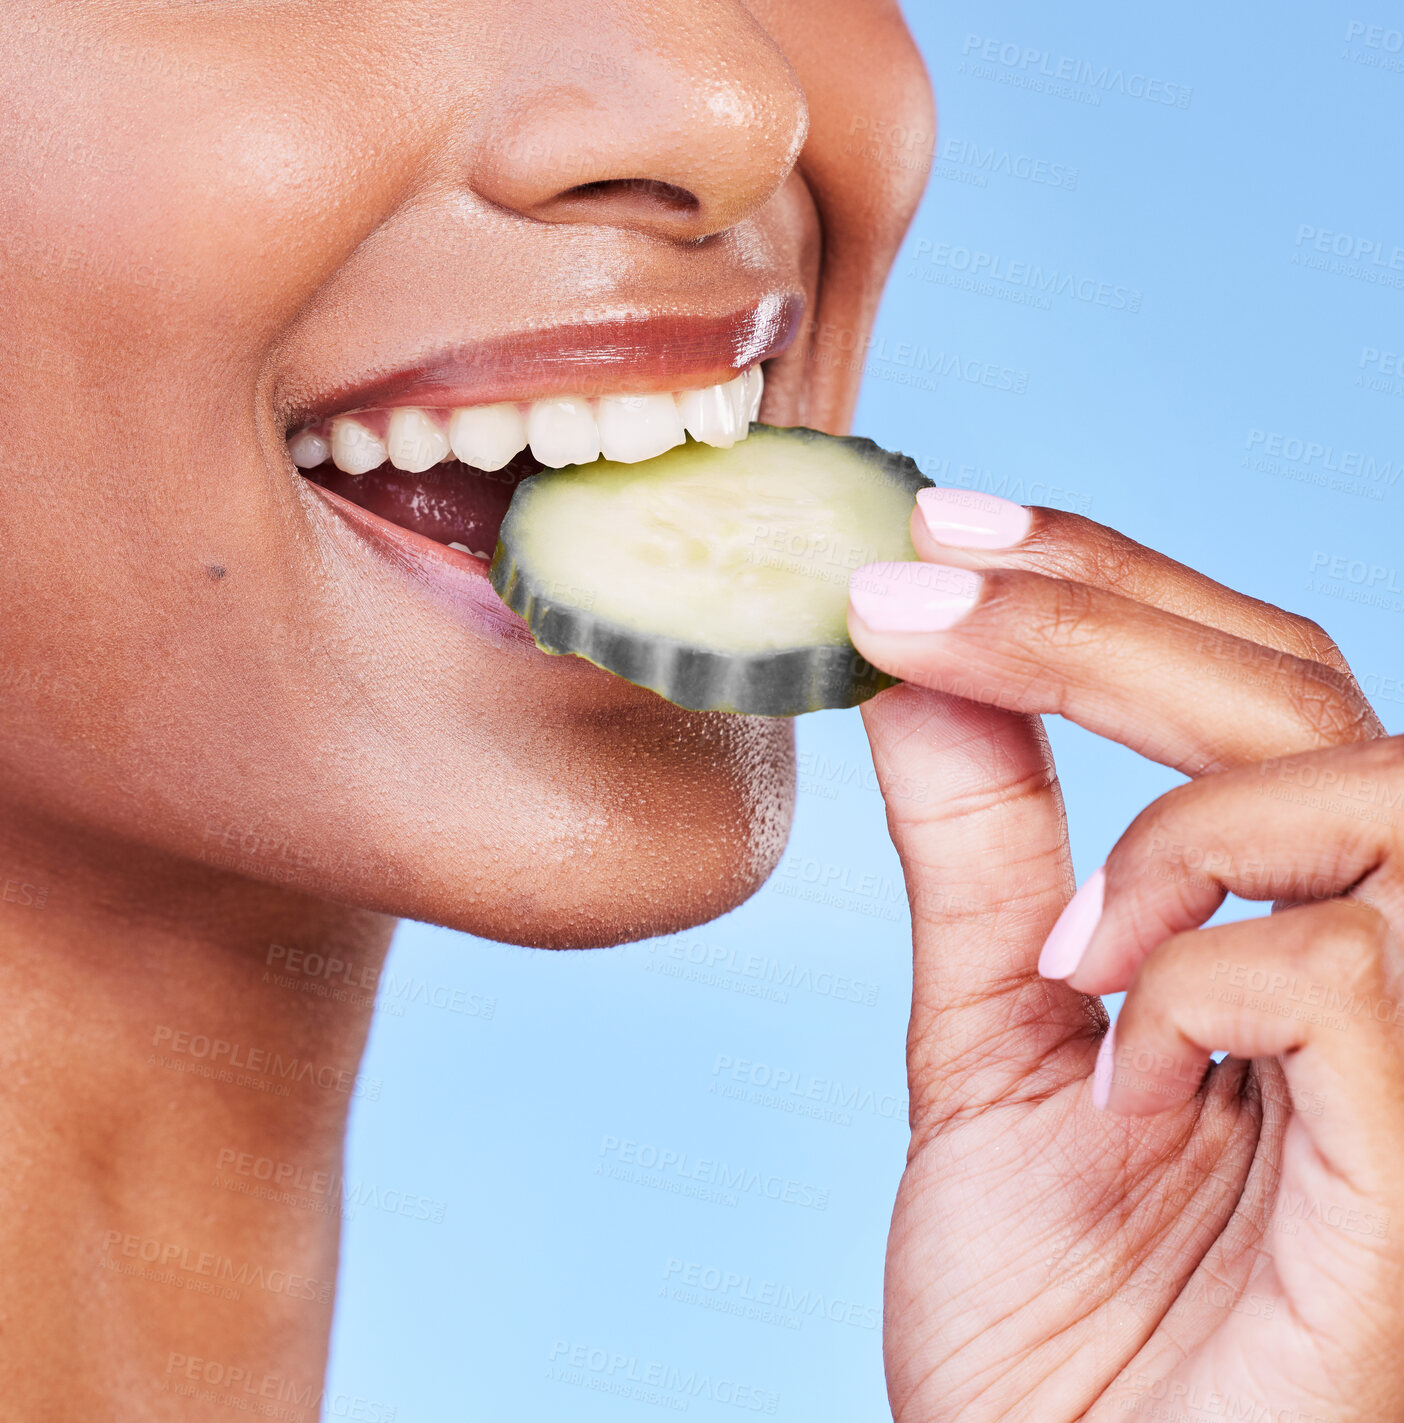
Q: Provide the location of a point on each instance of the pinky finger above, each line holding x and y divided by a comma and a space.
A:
1316, 986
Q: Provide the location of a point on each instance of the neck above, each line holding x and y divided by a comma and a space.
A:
178, 1052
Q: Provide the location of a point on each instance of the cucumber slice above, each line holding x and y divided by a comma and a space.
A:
717, 578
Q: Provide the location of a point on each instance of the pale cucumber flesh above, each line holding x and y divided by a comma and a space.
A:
719, 578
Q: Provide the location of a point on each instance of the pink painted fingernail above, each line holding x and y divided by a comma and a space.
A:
1065, 945
966, 518
912, 597
1102, 1072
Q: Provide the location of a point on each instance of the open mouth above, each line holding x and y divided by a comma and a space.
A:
448, 474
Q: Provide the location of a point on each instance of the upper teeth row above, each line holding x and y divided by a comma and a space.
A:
561, 430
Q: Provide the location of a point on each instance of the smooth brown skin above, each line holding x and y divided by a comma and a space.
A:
207, 213
1214, 1244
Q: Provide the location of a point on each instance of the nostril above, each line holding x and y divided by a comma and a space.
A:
666, 195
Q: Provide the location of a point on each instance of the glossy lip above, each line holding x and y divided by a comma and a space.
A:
458, 579
405, 543
459, 583
630, 356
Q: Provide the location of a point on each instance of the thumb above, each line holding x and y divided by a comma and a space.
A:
985, 854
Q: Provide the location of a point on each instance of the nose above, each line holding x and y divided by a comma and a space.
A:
674, 119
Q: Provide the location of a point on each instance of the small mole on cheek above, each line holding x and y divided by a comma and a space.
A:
215, 570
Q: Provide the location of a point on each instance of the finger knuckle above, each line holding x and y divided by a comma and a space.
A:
1093, 555
1328, 704
1156, 982
1178, 838
1069, 620
1318, 644
1115, 565
1149, 1054
1351, 945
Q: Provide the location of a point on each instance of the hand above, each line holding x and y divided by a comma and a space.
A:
1203, 1242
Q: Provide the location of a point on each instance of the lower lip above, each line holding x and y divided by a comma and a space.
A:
457, 580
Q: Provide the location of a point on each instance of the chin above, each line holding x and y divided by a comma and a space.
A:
652, 853
659, 826
653, 874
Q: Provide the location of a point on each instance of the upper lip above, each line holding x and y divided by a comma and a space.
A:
591, 358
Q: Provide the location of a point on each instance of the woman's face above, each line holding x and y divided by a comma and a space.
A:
226, 222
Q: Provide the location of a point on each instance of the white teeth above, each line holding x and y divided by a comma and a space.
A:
563, 431
637, 427
308, 450
715, 414
414, 441
755, 388
354, 450
487, 436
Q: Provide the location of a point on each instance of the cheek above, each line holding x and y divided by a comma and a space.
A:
168, 202
174, 180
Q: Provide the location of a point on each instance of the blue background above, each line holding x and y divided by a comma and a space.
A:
1177, 422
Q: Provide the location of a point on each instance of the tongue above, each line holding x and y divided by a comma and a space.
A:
450, 503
